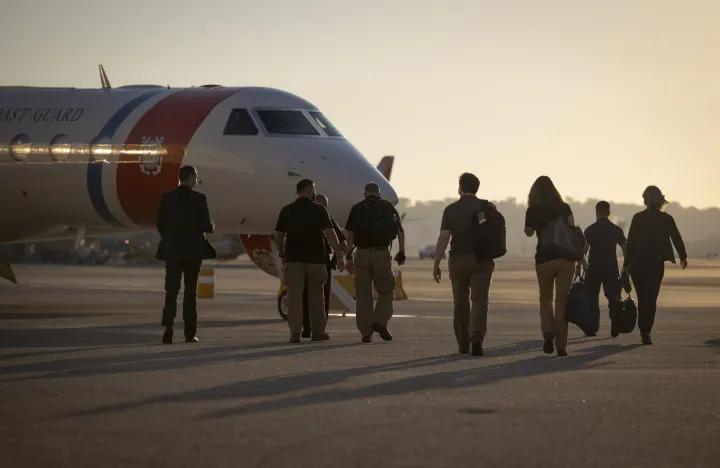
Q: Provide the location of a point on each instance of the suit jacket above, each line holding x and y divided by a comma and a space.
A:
182, 221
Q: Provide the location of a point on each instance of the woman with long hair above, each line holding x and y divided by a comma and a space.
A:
648, 248
554, 273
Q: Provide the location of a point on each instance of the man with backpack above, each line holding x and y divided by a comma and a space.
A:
476, 233
372, 225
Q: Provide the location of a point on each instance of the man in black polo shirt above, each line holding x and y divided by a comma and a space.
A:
330, 265
603, 237
299, 234
372, 225
470, 278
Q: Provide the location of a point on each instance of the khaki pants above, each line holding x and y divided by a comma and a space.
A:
373, 267
295, 276
557, 275
470, 281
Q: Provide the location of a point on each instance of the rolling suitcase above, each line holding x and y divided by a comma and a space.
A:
582, 307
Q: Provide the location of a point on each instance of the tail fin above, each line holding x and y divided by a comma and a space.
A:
385, 166
104, 82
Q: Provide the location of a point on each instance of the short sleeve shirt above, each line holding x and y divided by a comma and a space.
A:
457, 218
304, 221
604, 236
356, 223
538, 217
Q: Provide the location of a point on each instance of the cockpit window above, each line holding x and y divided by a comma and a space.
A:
240, 123
325, 124
286, 122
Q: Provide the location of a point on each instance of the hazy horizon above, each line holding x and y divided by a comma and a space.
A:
604, 97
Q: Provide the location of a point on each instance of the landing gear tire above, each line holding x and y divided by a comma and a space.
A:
283, 305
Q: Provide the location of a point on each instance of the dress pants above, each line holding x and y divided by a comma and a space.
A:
647, 277
326, 291
175, 270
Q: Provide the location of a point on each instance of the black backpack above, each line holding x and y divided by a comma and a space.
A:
488, 233
380, 224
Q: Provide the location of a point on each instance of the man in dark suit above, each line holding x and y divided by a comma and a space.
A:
183, 219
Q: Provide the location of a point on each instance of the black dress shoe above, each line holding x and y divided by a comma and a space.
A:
191, 339
306, 333
476, 348
367, 339
168, 336
646, 340
548, 347
382, 331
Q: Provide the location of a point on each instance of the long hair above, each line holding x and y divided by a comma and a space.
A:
654, 198
544, 193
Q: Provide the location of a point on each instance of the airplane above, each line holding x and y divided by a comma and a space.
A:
78, 163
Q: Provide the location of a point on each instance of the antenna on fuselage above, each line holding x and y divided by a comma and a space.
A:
104, 82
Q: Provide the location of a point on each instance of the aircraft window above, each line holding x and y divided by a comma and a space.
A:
286, 122
325, 124
240, 123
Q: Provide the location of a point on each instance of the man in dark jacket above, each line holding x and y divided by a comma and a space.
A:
182, 221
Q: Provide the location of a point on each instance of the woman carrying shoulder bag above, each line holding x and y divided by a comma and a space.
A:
554, 269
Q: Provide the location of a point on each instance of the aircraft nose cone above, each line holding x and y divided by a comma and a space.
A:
388, 192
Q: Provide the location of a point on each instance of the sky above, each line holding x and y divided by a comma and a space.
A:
604, 96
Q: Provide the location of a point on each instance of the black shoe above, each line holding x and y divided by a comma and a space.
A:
367, 339
548, 347
191, 339
646, 340
167, 336
382, 331
613, 331
589, 335
464, 349
323, 337
294, 338
562, 353
476, 348
306, 333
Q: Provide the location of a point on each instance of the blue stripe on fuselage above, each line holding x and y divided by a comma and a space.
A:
94, 170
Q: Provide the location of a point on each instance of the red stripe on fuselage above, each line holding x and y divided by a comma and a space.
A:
174, 119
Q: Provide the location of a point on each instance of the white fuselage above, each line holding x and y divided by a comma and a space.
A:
247, 177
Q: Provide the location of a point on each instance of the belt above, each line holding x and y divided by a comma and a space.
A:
385, 247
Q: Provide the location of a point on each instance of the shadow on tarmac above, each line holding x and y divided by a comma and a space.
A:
287, 387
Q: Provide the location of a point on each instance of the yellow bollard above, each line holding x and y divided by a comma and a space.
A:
206, 284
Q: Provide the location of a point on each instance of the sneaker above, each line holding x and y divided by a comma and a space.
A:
323, 337
548, 347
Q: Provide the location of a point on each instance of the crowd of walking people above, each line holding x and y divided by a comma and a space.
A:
311, 244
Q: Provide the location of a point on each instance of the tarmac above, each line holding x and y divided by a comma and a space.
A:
85, 381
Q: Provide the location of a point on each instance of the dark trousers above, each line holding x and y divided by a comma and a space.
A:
647, 278
174, 271
326, 291
608, 278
